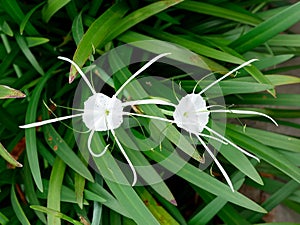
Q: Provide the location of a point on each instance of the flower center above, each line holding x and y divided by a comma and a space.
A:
102, 113
191, 113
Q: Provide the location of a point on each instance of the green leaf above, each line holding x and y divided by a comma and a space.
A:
5, 28
13, 9
265, 99
266, 153
79, 186
136, 39
287, 40
217, 11
171, 208
28, 54
96, 33
110, 202
158, 211
17, 207
103, 30
240, 161
55, 213
139, 15
30, 133
35, 41
120, 187
8, 92
92, 196
62, 149
8, 157
267, 29
269, 61
31, 191
270, 138
228, 214
54, 190
138, 158
232, 86
275, 79
192, 45
66, 194
77, 28
215, 205
52, 7
27, 17
3, 219
258, 75
276, 198
204, 181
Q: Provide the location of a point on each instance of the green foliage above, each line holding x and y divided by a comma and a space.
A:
56, 185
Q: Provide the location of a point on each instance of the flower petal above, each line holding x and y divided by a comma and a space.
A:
126, 157
217, 163
90, 149
36, 124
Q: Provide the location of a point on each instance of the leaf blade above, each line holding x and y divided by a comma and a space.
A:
267, 29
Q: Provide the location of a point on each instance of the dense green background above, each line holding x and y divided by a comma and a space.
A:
223, 33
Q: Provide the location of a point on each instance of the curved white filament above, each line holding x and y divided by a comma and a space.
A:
127, 158
90, 149
36, 124
217, 163
214, 138
232, 144
227, 74
150, 117
139, 71
147, 101
246, 112
80, 71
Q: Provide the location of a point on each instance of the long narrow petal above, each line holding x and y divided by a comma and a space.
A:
90, 149
147, 102
126, 157
36, 124
150, 117
140, 71
80, 71
232, 144
218, 164
227, 74
246, 112
214, 138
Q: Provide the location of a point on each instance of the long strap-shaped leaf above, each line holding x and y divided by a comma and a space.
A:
30, 134
54, 191
125, 194
268, 29
96, 34
17, 207
218, 11
204, 181
140, 15
109, 25
62, 149
266, 153
8, 157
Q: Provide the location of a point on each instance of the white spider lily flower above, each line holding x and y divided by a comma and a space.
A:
192, 114
104, 113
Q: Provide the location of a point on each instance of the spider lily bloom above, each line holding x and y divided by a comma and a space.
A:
192, 114
104, 113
